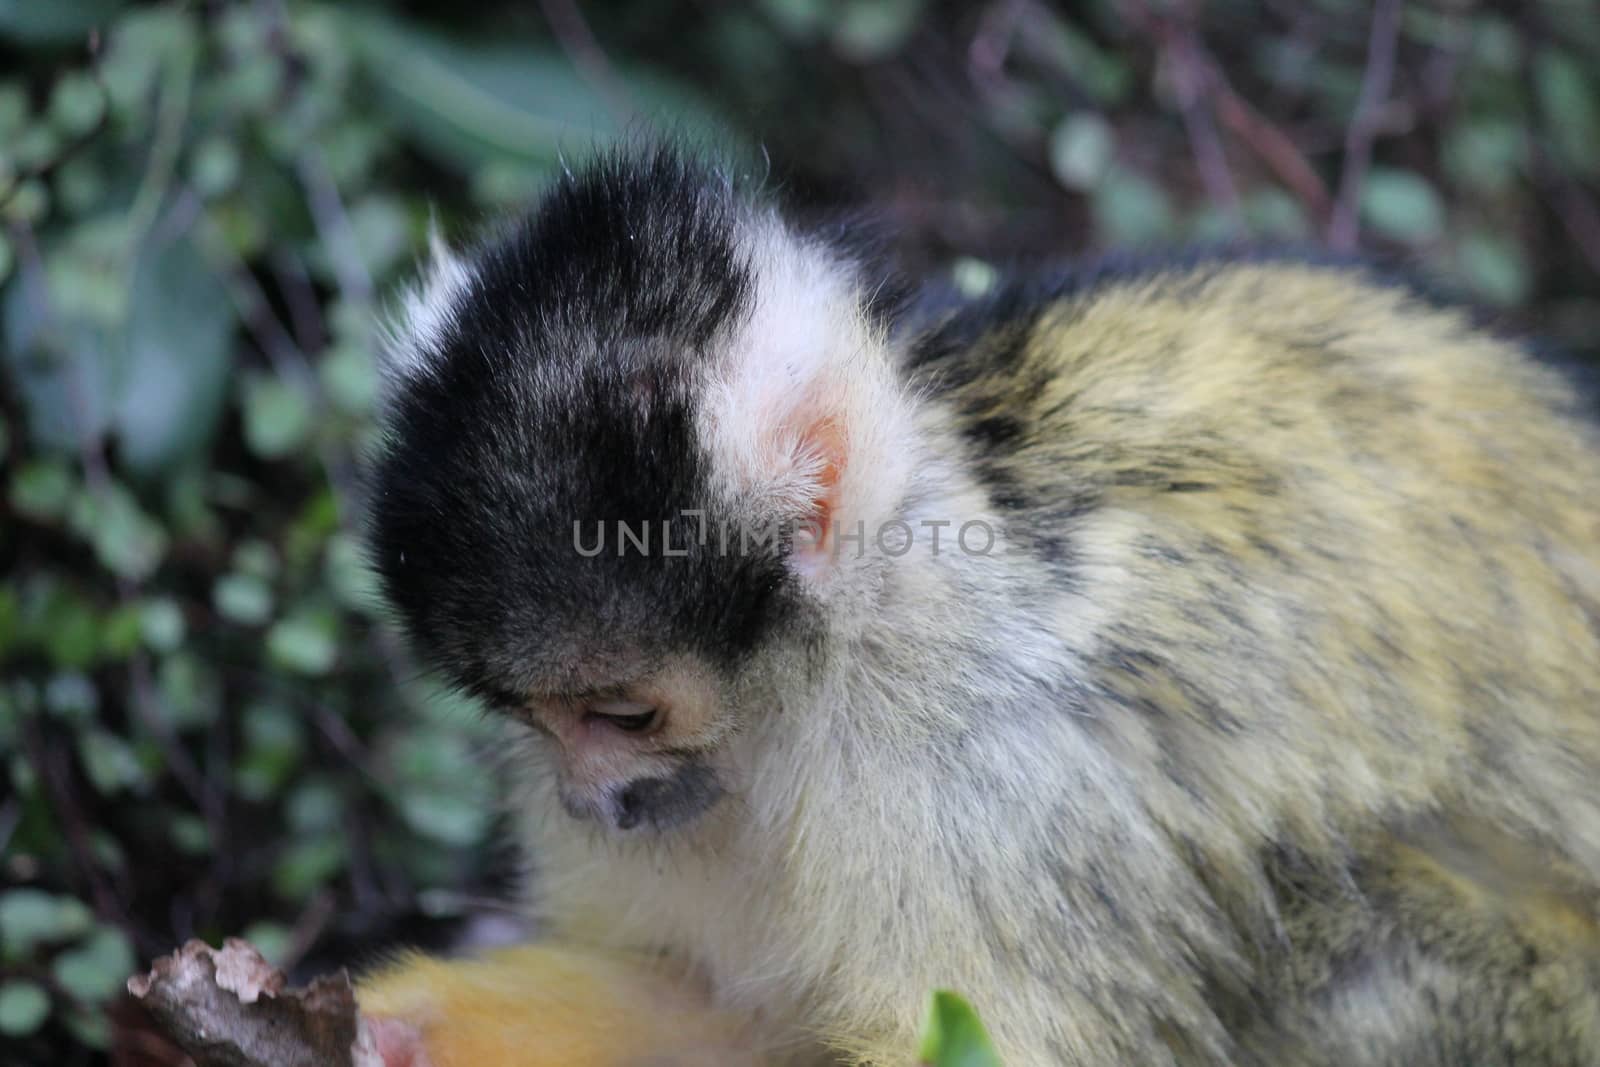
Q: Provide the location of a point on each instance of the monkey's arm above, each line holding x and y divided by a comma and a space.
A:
543, 1004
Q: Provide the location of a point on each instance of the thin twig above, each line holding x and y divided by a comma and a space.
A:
1201, 92
572, 33
45, 759
305, 317
991, 43
338, 236
1344, 228
1273, 147
308, 927
1194, 86
171, 118
1579, 214
252, 305
10, 819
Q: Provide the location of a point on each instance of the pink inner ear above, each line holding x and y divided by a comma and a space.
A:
824, 440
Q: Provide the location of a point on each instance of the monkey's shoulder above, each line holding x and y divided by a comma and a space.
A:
1224, 347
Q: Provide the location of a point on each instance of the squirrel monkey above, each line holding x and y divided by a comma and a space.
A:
1192, 664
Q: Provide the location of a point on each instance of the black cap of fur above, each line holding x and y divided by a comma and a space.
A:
564, 392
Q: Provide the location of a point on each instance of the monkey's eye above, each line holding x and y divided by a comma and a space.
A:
625, 715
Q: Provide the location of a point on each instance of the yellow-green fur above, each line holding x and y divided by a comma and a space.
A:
1344, 557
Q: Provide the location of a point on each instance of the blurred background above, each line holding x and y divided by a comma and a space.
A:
205, 727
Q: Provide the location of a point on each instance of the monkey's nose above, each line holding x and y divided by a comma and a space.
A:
628, 806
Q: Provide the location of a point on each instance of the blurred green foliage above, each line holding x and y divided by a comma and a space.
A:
204, 727
953, 1035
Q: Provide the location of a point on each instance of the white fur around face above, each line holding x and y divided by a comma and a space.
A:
804, 417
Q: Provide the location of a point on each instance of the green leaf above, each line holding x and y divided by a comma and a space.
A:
10, 628
1130, 209
1081, 147
149, 364
1271, 212
135, 50
214, 166
473, 101
179, 359
29, 917
77, 103
304, 644
90, 1029
254, 85
109, 761
190, 834
314, 806
189, 691
1496, 43
308, 865
23, 1008
273, 745
81, 186
953, 1036
451, 709
441, 788
973, 277
35, 147
868, 30
450, 820
1486, 154
243, 598
42, 489
28, 203
1495, 267
161, 623
121, 632
128, 542
105, 848
1571, 110
1402, 204
277, 416
257, 559
69, 630
349, 575
98, 969
14, 110
382, 232
1104, 75
506, 183
802, 19
272, 940
48, 21
350, 379
71, 696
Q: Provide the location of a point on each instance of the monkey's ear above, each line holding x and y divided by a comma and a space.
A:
810, 425
426, 314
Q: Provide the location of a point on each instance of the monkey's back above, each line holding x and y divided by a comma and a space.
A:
1330, 561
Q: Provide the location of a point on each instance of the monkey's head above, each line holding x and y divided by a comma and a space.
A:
637, 453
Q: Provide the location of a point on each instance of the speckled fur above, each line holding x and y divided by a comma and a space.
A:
1269, 733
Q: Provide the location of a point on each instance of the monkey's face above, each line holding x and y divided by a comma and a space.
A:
639, 756
566, 565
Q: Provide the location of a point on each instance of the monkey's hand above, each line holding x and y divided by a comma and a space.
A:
544, 1005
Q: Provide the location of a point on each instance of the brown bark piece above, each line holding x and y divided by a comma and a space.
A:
229, 1007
